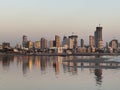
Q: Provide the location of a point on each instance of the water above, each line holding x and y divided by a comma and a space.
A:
53, 73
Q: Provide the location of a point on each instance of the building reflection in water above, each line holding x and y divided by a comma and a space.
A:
43, 64
37, 62
25, 64
55, 62
98, 74
30, 61
95, 66
6, 61
18, 61
70, 66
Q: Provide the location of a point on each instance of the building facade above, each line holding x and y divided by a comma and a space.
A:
6, 45
43, 43
30, 45
24, 42
82, 43
91, 41
98, 37
75, 39
37, 44
68, 43
57, 41
51, 43
114, 44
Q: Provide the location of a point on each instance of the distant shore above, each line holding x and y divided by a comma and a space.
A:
64, 54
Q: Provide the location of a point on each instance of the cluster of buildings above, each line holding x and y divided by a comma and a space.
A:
69, 44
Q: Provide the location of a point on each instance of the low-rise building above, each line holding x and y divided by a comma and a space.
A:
6, 45
56, 49
1, 47
81, 49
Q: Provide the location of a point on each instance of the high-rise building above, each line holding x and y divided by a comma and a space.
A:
98, 37
30, 44
82, 43
114, 44
54, 43
68, 42
37, 44
51, 43
43, 43
25, 40
91, 41
57, 40
75, 39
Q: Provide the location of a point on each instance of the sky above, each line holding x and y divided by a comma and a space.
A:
46, 18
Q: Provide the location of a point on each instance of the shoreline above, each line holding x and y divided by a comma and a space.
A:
64, 54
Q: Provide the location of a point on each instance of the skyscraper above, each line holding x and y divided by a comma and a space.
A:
25, 40
98, 37
51, 43
75, 39
43, 43
30, 44
68, 42
114, 44
91, 41
82, 43
57, 40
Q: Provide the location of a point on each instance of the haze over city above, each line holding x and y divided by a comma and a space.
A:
59, 44
46, 18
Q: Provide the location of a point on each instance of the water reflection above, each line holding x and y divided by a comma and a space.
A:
98, 74
95, 66
56, 61
5, 60
57, 65
25, 65
42, 63
70, 66
28, 62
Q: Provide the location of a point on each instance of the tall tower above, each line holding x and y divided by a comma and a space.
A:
75, 43
91, 41
43, 43
82, 43
25, 40
57, 40
98, 37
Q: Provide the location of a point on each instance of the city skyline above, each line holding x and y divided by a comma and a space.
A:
86, 42
47, 18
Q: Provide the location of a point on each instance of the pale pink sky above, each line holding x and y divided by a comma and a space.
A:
45, 18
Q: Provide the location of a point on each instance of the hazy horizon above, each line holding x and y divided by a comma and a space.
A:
46, 18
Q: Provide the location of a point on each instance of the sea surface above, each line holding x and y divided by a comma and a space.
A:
59, 73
